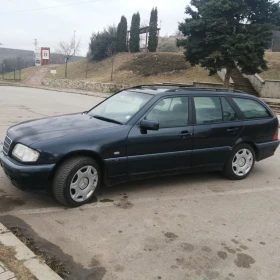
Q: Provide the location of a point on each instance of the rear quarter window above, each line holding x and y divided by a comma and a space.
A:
251, 108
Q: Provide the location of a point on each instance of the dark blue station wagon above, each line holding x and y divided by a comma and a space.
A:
140, 132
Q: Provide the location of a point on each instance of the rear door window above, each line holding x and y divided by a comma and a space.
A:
208, 110
251, 109
229, 115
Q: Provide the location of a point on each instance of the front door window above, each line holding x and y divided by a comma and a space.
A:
170, 112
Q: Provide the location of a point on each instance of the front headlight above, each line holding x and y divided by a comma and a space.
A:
25, 154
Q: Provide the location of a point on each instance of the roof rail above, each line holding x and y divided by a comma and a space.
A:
208, 89
163, 85
179, 87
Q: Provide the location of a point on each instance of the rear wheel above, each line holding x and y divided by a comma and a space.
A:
76, 181
240, 163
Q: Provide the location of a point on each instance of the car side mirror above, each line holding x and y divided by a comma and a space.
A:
149, 125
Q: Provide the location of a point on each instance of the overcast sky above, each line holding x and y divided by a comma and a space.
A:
52, 25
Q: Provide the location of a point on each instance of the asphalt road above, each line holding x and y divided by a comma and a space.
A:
192, 227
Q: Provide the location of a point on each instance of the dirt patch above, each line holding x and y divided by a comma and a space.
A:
52, 255
244, 260
206, 249
106, 200
231, 251
170, 235
124, 204
187, 247
234, 241
243, 247
52, 262
8, 203
222, 255
94, 262
119, 268
7, 256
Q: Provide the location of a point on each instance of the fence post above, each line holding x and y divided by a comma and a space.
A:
15, 74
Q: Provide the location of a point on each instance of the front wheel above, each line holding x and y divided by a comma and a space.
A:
76, 181
240, 163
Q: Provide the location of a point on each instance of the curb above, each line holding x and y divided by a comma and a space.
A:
36, 267
74, 91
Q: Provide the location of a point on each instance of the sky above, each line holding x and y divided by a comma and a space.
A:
22, 21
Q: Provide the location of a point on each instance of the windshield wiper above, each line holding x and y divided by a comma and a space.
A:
107, 119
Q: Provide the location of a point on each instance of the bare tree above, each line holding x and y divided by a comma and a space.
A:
111, 50
68, 50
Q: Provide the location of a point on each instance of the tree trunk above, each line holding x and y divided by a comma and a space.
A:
66, 62
227, 77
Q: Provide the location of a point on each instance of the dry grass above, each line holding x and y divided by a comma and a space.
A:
25, 74
149, 64
273, 72
134, 69
7, 257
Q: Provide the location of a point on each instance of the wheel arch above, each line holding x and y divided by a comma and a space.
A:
86, 153
249, 142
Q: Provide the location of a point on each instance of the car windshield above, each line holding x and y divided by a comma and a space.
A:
121, 107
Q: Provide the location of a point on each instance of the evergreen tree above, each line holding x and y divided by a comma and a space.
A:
224, 33
100, 43
134, 41
122, 35
153, 31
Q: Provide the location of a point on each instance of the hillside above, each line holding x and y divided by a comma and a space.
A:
273, 72
140, 68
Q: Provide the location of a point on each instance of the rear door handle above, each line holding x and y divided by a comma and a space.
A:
232, 130
185, 134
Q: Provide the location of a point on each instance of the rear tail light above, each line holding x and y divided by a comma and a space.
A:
275, 137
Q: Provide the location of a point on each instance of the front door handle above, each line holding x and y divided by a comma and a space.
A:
185, 134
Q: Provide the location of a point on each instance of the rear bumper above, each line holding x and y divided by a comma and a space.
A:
25, 176
267, 149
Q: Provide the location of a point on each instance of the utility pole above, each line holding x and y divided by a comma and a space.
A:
74, 43
35, 49
35, 43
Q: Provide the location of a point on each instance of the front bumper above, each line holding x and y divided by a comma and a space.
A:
25, 176
267, 149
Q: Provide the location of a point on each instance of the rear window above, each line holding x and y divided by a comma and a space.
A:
251, 109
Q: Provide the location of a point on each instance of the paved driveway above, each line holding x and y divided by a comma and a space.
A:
187, 227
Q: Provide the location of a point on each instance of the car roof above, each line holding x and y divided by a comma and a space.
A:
164, 90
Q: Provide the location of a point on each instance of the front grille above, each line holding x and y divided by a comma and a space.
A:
7, 145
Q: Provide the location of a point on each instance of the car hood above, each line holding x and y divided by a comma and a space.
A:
42, 129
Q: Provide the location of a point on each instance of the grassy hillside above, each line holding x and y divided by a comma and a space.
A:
140, 68
25, 74
273, 72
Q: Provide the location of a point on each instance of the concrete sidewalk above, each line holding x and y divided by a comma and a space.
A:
19, 262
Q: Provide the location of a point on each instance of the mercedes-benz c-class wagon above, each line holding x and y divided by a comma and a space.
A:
137, 133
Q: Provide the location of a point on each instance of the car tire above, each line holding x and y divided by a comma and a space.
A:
76, 181
240, 163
